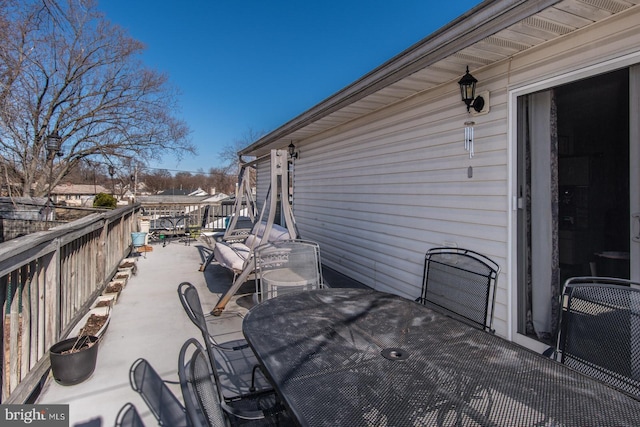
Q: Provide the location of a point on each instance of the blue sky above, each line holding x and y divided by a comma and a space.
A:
253, 65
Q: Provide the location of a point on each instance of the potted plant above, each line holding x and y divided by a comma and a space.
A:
95, 322
73, 360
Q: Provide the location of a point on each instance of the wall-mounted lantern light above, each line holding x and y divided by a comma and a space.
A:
53, 145
468, 91
292, 151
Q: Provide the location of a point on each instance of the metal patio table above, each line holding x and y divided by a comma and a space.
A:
175, 222
358, 357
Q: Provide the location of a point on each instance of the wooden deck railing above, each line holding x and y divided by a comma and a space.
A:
207, 215
47, 282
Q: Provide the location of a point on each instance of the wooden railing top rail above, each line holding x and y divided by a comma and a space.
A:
22, 250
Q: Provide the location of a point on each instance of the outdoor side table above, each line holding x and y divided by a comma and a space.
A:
358, 357
284, 280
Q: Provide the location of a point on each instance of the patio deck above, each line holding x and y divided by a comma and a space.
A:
148, 321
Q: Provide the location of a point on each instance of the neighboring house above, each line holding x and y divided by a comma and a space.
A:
215, 198
198, 192
25, 208
174, 192
24, 215
551, 190
81, 195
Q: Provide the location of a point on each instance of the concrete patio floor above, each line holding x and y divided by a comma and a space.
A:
148, 321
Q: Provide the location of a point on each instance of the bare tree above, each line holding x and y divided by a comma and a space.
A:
158, 180
229, 153
67, 71
232, 161
222, 181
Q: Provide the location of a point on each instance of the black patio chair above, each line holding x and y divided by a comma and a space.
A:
203, 399
600, 331
155, 392
235, 365
200, 412
128, 416
462, 283
552, 352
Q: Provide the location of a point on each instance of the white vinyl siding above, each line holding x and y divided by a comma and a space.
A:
378, 192
376, 196
264, 180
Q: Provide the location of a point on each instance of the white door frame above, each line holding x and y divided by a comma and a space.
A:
513, 94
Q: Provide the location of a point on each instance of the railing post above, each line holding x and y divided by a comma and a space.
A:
101, 259
53, 326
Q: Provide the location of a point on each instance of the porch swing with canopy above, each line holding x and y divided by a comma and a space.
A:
235, 250
245, 210
243, 216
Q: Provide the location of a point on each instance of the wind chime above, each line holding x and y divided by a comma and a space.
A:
468, 137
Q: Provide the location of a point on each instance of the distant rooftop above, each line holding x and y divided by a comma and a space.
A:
81, 189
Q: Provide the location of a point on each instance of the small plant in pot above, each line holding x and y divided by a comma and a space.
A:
73, 360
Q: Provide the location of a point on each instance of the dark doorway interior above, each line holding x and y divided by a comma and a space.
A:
593, 176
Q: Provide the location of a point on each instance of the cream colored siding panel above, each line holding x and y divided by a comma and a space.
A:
426, 186
444, 207
400, 201
264, 177
423, 163
375, 188
398, 224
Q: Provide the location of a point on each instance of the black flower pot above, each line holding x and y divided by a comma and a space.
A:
73, 367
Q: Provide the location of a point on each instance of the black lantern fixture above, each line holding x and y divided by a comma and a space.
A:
292, 151
112, 172
468, 91
53, 145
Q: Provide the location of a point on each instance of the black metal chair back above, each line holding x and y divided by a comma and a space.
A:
203, 408
190, 301
596, 280
235, 366
462, 282
600, 331
128, 416
164, 405
204, 401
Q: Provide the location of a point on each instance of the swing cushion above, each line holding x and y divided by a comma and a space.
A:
277, 233
234, 255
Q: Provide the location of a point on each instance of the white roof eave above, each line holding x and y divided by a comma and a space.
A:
470, 33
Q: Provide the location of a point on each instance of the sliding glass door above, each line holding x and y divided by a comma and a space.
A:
577, 192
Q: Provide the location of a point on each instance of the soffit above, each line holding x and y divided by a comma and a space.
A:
385, 88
